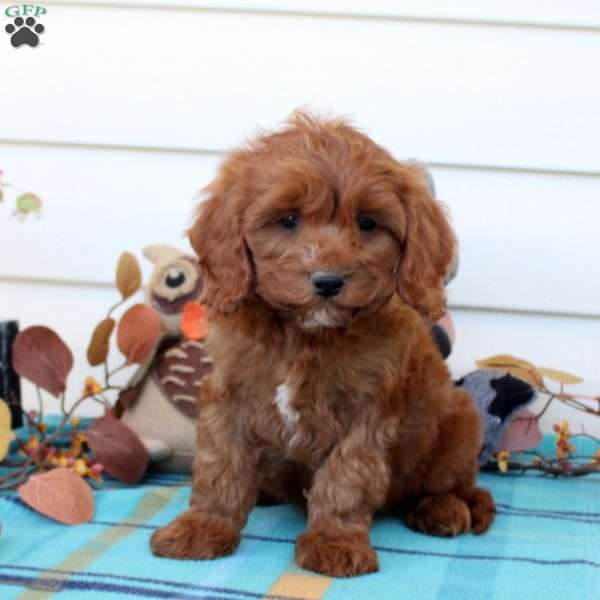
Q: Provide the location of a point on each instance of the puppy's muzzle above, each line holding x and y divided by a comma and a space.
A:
327, 284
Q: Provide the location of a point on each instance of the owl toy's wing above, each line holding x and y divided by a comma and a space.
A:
179, 371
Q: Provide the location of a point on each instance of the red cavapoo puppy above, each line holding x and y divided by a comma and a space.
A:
324, 260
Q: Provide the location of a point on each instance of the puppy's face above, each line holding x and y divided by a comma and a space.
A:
325, 237
322, 225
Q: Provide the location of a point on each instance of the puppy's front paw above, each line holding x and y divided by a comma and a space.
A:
343, 555
195, 536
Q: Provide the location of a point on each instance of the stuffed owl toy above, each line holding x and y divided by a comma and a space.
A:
159, 403
175, 281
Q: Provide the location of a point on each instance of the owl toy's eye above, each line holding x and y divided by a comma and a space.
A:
175, 278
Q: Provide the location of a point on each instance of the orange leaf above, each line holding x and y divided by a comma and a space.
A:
505, 360
98, 349
518, 367
60, 495
194, 323
6, 434
531, 377
129, 275
560, 376
41, 356
138, 332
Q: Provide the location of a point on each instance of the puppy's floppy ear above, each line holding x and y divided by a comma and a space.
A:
429, 246
216, 236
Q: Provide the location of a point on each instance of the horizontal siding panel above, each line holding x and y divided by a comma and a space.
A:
578, 13
570, 344
528, 242
204, 80
97, 203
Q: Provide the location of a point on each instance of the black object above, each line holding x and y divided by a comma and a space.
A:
511, 394
442, 340
327, 284
10, 384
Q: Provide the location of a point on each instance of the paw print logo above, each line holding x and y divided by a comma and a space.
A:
24, 32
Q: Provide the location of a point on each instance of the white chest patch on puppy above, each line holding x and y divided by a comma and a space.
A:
283, 396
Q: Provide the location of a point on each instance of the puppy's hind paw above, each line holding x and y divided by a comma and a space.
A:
445, 515
195, 536
483, 510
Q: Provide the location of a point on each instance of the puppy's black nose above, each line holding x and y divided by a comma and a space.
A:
327, 284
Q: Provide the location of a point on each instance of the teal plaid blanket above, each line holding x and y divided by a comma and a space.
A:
545, 543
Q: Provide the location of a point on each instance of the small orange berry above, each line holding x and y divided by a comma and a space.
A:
81, 468
91, 387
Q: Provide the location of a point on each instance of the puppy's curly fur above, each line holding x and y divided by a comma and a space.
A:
341, 400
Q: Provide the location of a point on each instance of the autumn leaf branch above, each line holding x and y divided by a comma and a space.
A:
43, 358
566, 462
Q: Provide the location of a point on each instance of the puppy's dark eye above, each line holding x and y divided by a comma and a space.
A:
366, 223
289, 221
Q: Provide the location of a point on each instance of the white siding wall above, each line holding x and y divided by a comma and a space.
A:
125, 110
